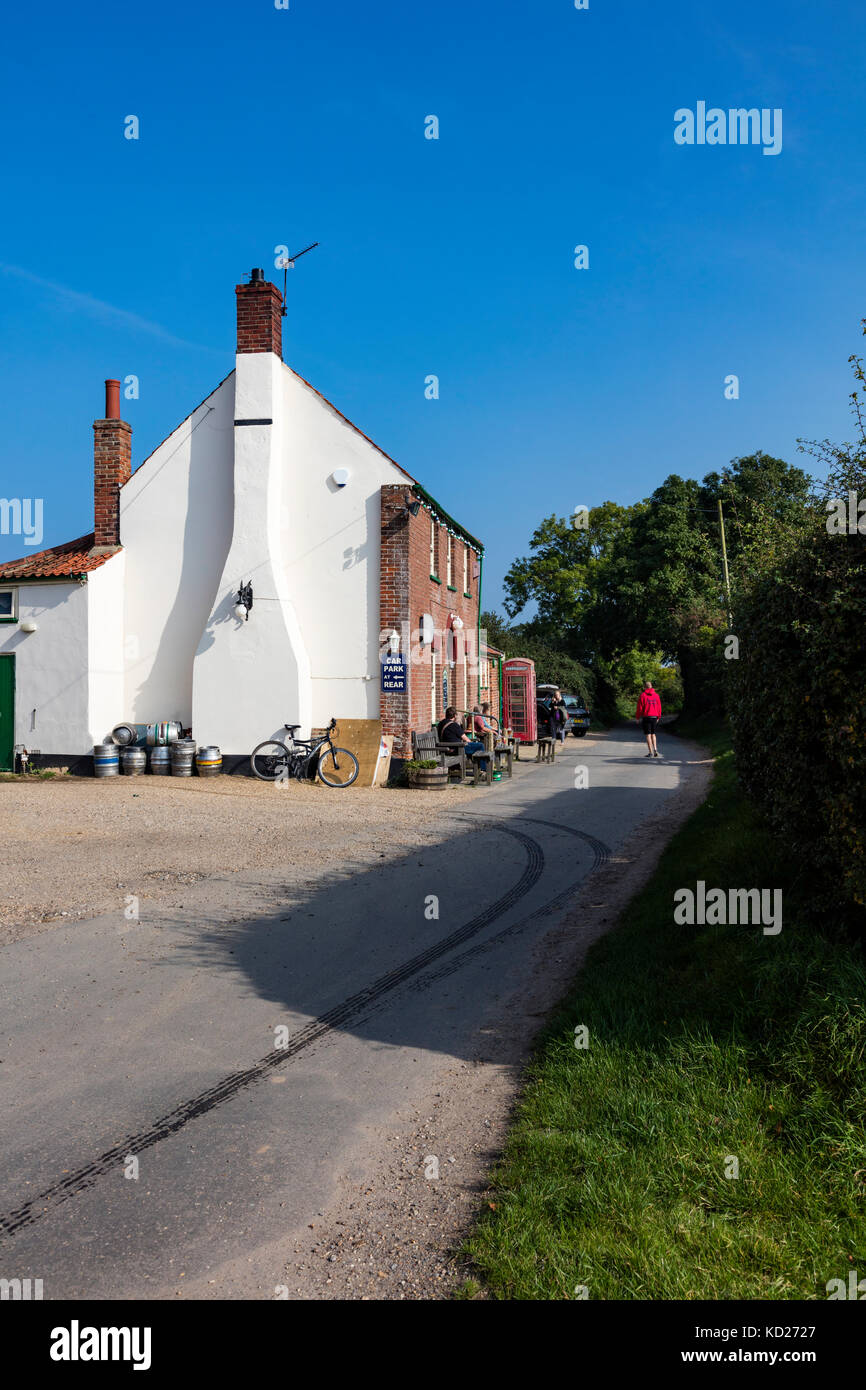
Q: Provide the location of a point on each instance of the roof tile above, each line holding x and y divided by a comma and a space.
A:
66, 561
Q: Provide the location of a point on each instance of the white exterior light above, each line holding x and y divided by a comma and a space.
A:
29, 627
340, 477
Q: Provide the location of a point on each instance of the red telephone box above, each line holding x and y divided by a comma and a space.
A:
518, 678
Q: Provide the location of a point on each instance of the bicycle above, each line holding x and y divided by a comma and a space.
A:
305, 758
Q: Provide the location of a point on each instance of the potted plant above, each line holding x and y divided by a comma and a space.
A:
426, 773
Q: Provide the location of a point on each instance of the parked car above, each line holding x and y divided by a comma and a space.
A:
579, 717
578, 714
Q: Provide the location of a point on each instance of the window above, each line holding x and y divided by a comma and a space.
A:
8, 605
449, 581
432, 546
466, 569
433, 688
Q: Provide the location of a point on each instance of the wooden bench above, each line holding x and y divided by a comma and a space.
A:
545, 751
449, 755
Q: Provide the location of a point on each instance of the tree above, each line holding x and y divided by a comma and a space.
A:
564, 575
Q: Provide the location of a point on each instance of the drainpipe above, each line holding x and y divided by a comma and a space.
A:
478, 647
501, 702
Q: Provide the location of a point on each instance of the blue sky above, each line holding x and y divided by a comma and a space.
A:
454, 257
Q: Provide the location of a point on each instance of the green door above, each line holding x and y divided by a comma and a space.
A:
7, 712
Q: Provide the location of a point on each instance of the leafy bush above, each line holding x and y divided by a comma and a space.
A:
797, 693
797, 701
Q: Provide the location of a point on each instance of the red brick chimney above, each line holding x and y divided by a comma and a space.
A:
260, 315
112, 467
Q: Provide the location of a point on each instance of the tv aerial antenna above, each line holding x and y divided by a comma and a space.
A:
288, 264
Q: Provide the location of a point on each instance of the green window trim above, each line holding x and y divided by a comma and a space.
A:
452, 588
436, 579
466, 593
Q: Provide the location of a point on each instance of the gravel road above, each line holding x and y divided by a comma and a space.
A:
75, 847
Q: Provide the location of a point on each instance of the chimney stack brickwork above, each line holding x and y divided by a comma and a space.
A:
260, 318
112, 467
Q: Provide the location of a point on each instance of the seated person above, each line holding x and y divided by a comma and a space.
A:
450, 730
481, 722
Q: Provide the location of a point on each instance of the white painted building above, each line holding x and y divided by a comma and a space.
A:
265, 484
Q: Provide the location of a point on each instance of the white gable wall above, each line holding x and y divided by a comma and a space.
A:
176, 527
51, 683
105, 673
331, 550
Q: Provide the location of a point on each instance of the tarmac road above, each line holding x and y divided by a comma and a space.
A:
183, 1095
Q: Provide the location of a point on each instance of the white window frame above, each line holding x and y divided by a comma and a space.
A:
12, 615
433, 547
448, 562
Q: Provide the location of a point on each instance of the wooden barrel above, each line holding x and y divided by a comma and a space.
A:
106, 760
160, 761
209, 761
431, 778
133, 761
182, 755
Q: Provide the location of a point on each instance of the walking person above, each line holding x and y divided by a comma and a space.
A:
649, 709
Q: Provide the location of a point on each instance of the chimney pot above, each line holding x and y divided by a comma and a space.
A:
112, 400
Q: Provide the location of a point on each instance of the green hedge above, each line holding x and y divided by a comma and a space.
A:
797, 702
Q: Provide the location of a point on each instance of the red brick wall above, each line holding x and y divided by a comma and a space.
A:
407, 591
112, 467
260, 318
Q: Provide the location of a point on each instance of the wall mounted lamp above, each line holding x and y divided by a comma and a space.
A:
244, 601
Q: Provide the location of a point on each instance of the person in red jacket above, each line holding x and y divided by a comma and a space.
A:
649, 708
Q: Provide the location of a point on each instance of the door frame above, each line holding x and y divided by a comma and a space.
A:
10, 657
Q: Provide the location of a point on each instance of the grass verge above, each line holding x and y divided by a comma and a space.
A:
706, 1045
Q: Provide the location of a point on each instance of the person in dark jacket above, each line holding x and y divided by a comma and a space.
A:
648, 712
559, 712
450, 730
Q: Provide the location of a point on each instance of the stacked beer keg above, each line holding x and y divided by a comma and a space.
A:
169, 753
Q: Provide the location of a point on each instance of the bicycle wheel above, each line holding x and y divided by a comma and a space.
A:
270, 761
337, 767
